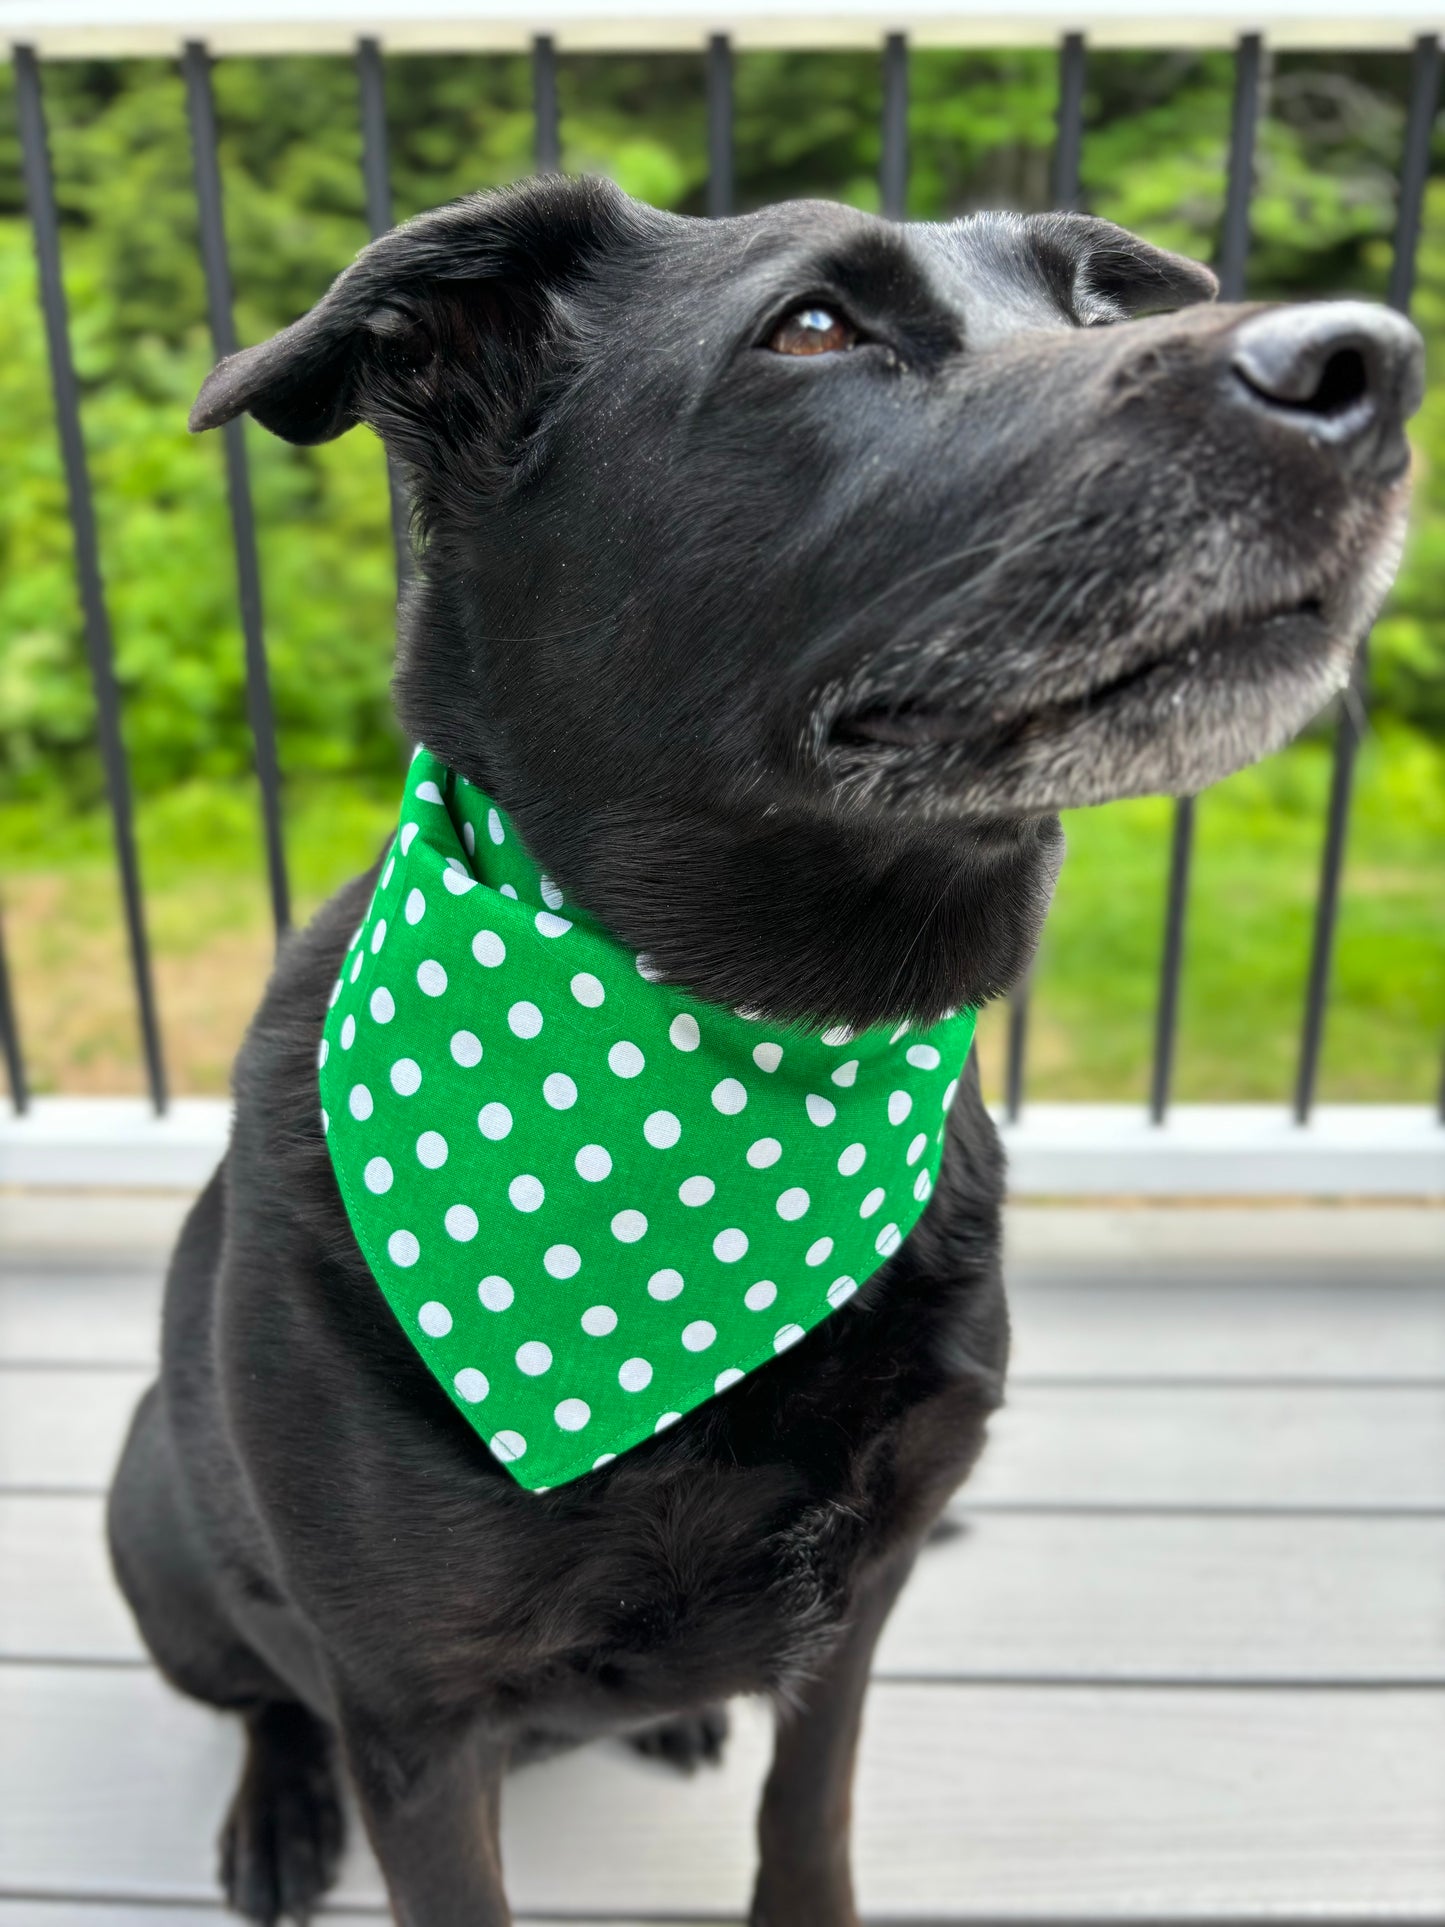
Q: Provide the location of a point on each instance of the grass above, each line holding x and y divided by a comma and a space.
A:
1251, 907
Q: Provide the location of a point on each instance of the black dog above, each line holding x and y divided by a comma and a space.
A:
781, 577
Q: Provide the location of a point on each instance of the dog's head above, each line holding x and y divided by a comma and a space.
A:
808, 519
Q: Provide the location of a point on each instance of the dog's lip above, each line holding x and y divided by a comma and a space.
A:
916, 726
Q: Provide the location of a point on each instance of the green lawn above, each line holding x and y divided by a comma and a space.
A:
1256, 865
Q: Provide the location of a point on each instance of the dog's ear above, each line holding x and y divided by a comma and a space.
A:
1103, 273
429, 323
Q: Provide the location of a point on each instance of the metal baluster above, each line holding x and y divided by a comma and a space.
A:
1068, 149
719, 126
10, 1038
893, 171
544, 105
1233, 260
1414, 174
200, 102
376, 177
40, 194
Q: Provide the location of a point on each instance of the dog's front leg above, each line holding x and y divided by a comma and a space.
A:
804, 1873
432, 1811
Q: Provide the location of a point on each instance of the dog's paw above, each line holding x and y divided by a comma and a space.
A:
283, 1836
686, 1742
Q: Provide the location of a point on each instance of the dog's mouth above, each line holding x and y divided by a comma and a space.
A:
1187, 667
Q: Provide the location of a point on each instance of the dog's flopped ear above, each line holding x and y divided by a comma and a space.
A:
1103, 273
470, 285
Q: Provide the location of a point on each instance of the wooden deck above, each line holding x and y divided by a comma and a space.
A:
1184, 1662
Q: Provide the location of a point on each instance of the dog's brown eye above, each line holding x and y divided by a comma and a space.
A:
812, 331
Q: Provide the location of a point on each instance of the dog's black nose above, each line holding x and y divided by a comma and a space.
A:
1342, 372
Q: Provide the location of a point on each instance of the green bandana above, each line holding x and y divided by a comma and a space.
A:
594, 1201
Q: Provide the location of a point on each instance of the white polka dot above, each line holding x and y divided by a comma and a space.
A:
588, 990
508, 890
526, 1192
626, 1059
923, 1057
348, 1032
603, 1458
599, 1321
466, 1048
732, 1376
408, 836
684, 1032
871, 1203
899, 1105
524, 1019
406, 1077
494, 826
469, 838
434, 1319
888, 1240
572, 1414
822, 1110
507, 1446
730, 1245
561, 1261
922, 1185
359, 1103
488, 949
402, 1248
323, 1051
594, 1162
325, 1121
335, 993
550, 926
647, 969
378, 935
431, 978
664, 1284
495, 1293
759, 1296
534, 1358
901, 1031
851, 1161
456, 879
494, 1121
793, 1202
377, 1176
846, 1075
628, 1227
841, 1290
819, 1252
471, 1385
662, 1130
729, 1096
415, 906
668, 1418
382, 1005
839, 1034
635, 1375
559, 1091
697, 1336
427, 792
764, 1152
767, 1057
551, 893
918, 1147
461, 1223
786, 1335
950, 1094
698, 1190
386, 873
357, 961
431, 1150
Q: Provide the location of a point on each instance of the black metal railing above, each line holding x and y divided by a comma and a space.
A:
1425, 77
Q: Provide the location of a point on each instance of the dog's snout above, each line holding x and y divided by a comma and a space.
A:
1344, 373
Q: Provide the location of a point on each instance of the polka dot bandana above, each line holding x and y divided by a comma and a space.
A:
593, 1201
